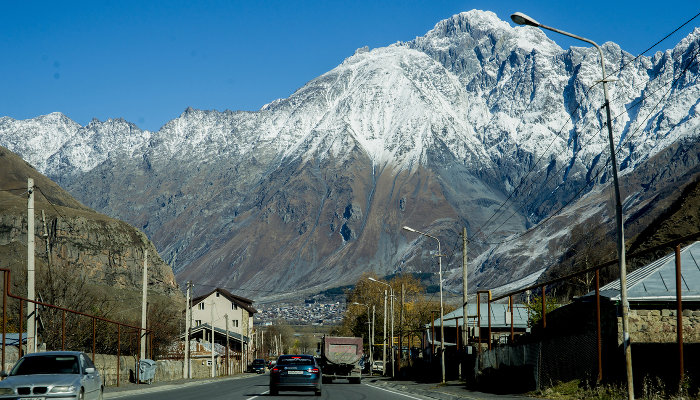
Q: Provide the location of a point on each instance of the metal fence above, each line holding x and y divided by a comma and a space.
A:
55, 320
584, 342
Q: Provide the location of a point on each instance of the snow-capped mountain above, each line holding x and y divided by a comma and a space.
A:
476, 123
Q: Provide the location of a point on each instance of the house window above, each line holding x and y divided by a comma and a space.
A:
217, 294
234, 306
235, 323
201, 306
197, 322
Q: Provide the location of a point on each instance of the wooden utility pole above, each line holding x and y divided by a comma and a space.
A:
46, 240
679, 314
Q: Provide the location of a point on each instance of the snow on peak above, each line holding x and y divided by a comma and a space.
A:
392, 102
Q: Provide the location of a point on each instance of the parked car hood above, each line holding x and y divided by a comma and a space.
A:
40, 380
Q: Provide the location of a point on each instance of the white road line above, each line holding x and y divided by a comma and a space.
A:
399, 393
255, 397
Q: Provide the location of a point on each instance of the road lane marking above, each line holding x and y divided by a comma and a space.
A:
398, 393
261, 394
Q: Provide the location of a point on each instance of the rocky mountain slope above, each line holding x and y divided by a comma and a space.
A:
109, 253
474, 124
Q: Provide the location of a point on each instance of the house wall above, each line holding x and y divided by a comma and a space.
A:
222, 306
659, 325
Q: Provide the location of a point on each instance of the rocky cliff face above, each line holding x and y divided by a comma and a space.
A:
107, 251
475, 124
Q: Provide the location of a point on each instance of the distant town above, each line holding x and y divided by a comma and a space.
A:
311, 312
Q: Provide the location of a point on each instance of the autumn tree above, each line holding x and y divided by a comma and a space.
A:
417, 307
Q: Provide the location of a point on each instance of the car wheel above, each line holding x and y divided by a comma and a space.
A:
81, 395
318, 393
101, 395
274, 391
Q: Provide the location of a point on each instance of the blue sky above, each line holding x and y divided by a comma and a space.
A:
146, 61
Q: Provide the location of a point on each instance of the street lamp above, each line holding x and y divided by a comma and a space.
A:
442, 309
522, 19
370, 337
391, 291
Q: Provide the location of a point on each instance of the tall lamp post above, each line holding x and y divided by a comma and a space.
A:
442, 309
391, 294
370, 338
522, 19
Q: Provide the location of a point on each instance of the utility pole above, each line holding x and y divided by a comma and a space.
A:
46, 240
384, 347
403, 294
213, 365
371, 345
144, 299
393, 359
188, 326
226, 318
31, 293
465, 333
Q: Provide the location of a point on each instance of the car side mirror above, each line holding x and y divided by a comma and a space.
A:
89, 370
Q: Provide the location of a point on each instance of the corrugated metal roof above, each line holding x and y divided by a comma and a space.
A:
12, 339
657, 280
500, 316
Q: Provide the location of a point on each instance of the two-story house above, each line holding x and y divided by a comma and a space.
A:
222, 304
219, 308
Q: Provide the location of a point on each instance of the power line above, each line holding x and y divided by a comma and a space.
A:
627, 140
71, 227
522, 181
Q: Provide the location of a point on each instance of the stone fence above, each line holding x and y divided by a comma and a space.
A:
166, 370
660, 325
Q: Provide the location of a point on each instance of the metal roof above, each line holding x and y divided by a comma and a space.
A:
657, 280
12, 339
500, 316
206, 327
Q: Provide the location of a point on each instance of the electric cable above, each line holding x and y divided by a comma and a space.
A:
692, 61
569, 119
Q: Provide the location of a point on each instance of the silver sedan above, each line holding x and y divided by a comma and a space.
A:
52, 375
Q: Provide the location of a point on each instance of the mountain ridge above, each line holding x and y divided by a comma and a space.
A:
458, 120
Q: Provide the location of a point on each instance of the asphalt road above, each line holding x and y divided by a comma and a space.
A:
249, 387
256, 387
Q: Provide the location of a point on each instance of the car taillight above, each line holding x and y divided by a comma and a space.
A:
314, 370
275, 370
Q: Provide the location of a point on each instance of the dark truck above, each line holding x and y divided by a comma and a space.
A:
340, 358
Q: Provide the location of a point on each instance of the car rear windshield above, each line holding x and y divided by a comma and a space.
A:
258, 362
295, 361
47, 365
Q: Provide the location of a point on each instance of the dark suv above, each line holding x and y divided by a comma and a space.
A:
295, 372
257, 366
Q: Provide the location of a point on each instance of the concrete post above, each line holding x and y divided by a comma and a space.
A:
31, 293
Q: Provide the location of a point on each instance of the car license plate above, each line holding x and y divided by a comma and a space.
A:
295, 372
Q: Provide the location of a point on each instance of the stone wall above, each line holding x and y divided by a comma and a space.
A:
658, 325
166, 370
